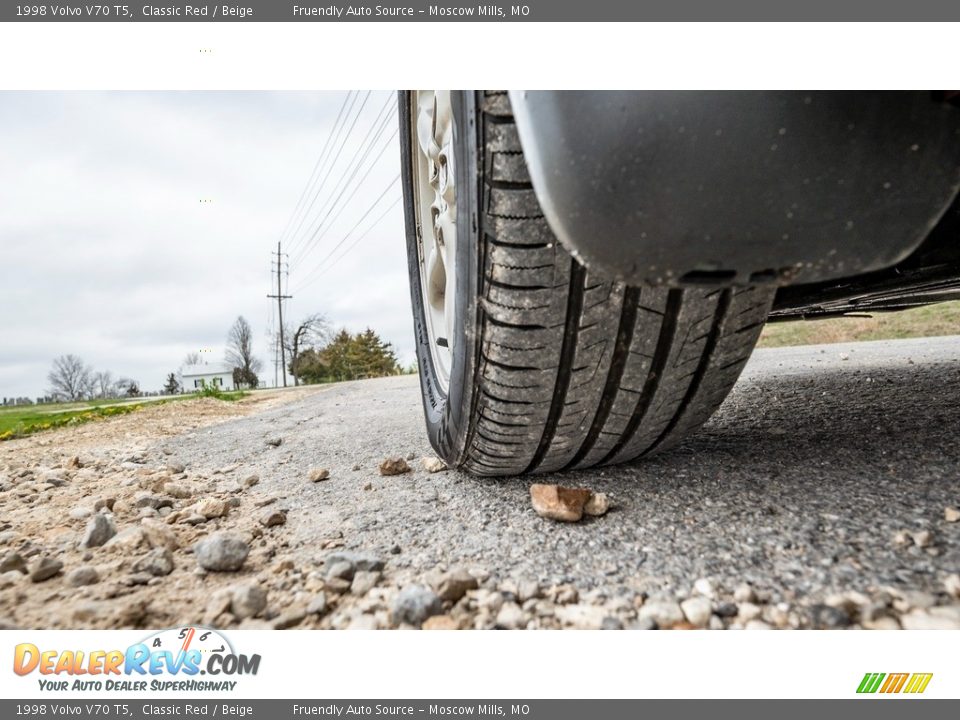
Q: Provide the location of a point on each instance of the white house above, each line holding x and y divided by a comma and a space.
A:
215, 374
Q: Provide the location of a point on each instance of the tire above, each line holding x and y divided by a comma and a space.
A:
554, 367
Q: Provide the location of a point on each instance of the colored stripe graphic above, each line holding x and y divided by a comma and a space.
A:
870, 682
918, 682
893, 683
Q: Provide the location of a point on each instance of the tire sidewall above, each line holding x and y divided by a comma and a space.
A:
448, 415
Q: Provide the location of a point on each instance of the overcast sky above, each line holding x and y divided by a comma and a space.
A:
107, 252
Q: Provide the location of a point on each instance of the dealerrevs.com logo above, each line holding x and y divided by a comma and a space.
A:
169, 660
891, 683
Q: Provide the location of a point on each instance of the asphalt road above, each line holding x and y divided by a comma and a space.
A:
798, 485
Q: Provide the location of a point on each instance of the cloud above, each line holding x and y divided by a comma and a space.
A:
107, 252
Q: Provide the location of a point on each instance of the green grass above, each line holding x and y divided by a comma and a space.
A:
22, 420
926, 321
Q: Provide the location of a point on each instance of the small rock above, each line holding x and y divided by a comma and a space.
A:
611, 623
434, 464
128, 539
274, 441
342, 570
697, 610
177, 490
357, 467
527, 590
359, 559
99, 530
414, 604
289, 618
597, 504
951, 514
318, 606
13, 561
44, 568
757, 624
364, 581
705, 587
582, 617
558, 503
336, 585
218, 604
211, 508
665, 613
83, 575
157, 562
511, 617
440, 622
247, 601
744, 594
272, 518
952, 585
319, 474
936, 618
152, 501
80, 512
368, 486
825, 617
176, 468
221, 552
251, 480
748, 611
394, 466
923, 538
455, 584
104, 503
881, 623
159, 535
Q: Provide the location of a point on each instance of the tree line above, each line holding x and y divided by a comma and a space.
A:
314, 352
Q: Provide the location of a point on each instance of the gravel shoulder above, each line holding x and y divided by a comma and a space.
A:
819, 496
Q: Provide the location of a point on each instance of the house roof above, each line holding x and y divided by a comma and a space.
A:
201, 369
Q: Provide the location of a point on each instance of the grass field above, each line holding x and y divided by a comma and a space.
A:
22, 420
927, 321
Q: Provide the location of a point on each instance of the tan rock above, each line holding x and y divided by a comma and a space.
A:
434, 464
159, 534
394, 466
440, 622
597, 504
558, 503
319, 474
951, 514
211, 508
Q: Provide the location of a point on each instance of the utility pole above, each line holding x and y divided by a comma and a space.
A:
280, 297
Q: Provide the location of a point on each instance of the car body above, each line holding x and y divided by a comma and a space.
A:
848, 198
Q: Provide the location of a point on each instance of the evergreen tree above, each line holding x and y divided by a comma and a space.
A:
172, 387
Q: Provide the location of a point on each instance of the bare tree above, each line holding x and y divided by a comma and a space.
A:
128, 387
103, 384
191, 358
312, 331
240, 353
70, 378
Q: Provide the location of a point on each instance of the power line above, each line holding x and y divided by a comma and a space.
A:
333, 164
322, 229
350, 232
355, 242
369, 141
316, 167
